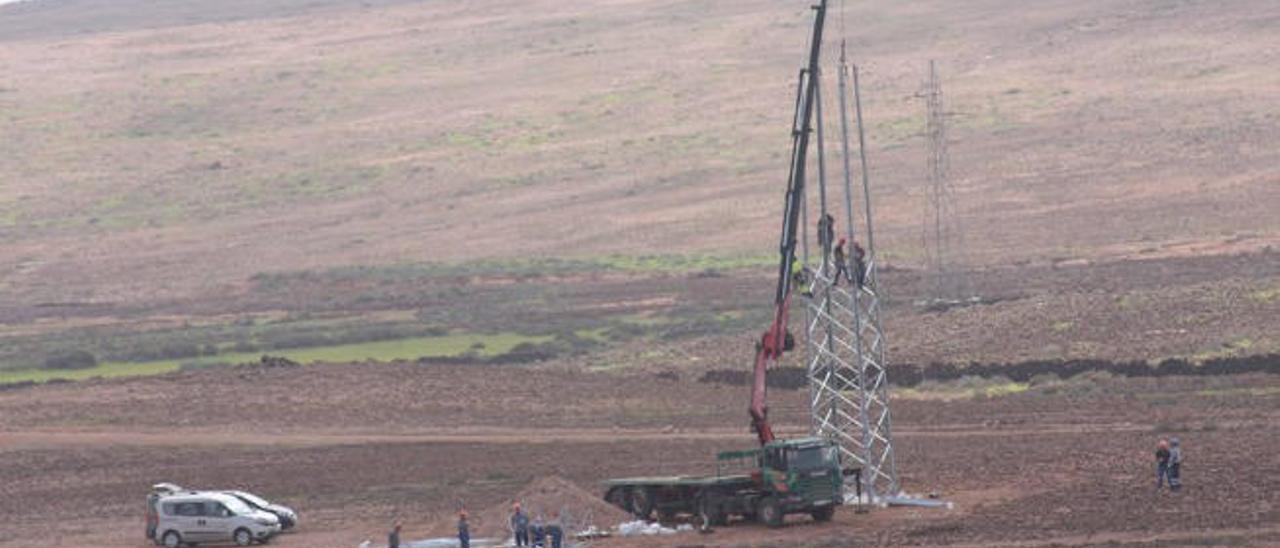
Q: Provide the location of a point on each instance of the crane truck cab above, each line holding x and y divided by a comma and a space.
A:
798, 476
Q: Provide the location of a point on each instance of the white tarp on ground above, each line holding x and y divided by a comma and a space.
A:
642, 528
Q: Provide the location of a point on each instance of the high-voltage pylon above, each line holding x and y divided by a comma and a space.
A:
848, 381
941, 234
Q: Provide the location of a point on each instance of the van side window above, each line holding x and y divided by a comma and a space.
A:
169, 509
191, 509
219, 511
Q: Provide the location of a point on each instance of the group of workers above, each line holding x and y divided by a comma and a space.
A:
464, 532
853, 269
534, 532
526, 532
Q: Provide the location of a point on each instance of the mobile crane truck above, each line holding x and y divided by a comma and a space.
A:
782, 476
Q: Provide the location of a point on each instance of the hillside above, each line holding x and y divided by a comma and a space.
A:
156, 153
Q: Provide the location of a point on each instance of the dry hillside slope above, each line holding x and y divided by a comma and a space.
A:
153, 153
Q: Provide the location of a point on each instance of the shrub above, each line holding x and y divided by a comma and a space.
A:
78, 359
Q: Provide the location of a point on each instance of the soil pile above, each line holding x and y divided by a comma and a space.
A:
548, 497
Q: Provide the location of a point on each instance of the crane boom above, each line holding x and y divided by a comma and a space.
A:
775, 341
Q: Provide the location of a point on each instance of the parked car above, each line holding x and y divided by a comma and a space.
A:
191, 517
288, 517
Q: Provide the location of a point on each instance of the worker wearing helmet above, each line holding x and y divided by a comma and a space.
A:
1162, 463
842, 264
519, 525
800, 276
464, 530
1175, 464
859, 264
393, 538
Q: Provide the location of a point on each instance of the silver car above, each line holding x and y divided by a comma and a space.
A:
288, 517
188, 518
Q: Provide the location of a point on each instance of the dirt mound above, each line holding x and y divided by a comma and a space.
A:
546, 497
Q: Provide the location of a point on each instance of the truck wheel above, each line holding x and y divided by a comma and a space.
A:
641, 503
769, 512
823, 514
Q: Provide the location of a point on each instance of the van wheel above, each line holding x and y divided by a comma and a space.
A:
769, 512
243, 537
172, 539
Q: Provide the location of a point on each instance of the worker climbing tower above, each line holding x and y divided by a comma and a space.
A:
844, 339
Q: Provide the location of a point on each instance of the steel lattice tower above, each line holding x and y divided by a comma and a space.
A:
941, 234
848, 382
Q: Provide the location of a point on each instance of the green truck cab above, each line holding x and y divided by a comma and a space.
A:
765, 484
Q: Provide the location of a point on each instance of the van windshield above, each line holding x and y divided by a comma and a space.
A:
237, 506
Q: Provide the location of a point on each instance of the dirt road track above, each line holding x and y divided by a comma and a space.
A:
52, 439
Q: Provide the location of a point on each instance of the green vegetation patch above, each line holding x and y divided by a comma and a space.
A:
523, 268
480, 345
967, 387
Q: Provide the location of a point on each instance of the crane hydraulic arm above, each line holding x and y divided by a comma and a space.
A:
776, 340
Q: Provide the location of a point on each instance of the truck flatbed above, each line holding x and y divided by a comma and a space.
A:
681, 481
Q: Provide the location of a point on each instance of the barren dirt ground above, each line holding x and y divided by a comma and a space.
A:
1115, 168
355, 447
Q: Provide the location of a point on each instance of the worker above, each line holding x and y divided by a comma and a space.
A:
842, 265
555, 531
859, 264
393, 538
1162, 462
800, 276
826, 231
538, 533
464, 531
1175, 464
519, 525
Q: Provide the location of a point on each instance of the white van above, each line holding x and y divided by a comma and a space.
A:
195, 517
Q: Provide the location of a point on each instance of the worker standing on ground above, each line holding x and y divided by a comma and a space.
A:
519, 525
1175, 464
538, 532
393, 538
842, 264
859, 264
555, 531
1162, 463
464, 531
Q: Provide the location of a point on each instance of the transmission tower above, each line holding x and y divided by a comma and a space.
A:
941, 234
848, 382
